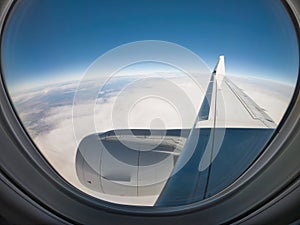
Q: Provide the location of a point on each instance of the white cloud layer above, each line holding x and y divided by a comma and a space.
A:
50, 118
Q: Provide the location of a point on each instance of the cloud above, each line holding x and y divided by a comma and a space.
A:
47, 114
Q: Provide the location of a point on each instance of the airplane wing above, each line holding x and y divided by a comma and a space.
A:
228, 134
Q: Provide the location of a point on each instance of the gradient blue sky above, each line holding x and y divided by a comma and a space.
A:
53, 40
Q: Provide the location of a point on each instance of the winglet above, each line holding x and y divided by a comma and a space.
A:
220, 71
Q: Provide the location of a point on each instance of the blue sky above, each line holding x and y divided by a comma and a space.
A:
53, 40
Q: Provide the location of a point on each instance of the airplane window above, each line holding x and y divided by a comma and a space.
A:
150, 103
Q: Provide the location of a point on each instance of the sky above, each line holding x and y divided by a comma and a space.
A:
57, 40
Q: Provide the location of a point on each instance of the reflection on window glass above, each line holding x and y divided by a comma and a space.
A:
150, 103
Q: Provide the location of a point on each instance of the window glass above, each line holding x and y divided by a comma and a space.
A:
153, 103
